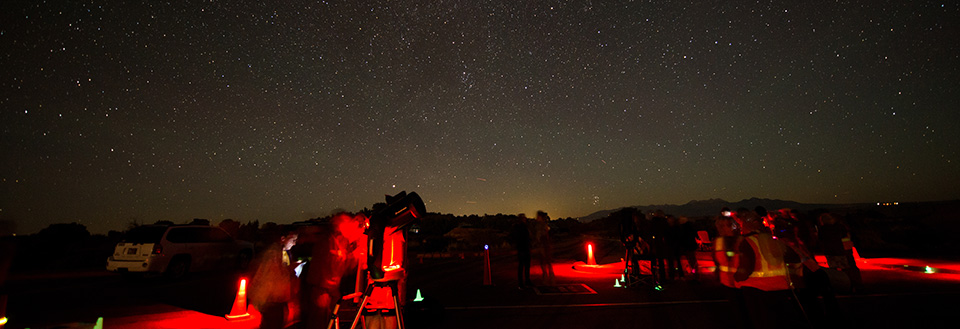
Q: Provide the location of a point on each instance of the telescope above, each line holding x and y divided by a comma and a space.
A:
401, 211
385, 227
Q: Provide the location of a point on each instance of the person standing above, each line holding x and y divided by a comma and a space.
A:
726, 251
274, 284
762, 277
520, 235
332, 247
674, 237
658, 242
541, 234
688, 247
835, 242
630, 238
726, 256
810, 280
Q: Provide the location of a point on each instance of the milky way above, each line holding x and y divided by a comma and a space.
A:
119, 113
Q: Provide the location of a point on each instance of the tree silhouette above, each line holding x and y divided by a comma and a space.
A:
231, 226
59, 245
71, 232
200, 221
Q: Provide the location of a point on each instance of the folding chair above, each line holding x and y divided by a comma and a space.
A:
703, 239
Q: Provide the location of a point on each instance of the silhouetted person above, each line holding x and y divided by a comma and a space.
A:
726, 255
806, 229
630, 238
835, 242
658, 244
541, 237
810, 281
274, 284
332, 247
674, 248
762, 276
764, 216
520, 235
688, 246
645, 246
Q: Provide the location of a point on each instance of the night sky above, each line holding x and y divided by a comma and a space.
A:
120, 112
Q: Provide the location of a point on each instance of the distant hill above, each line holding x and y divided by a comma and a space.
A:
711, 207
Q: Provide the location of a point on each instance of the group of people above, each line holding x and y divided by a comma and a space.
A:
298, 276
766, 261
528, 237
661, 239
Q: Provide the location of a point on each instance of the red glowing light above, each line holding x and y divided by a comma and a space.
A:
590, 259
239, 310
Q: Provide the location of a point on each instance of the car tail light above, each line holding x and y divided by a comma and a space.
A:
157, 249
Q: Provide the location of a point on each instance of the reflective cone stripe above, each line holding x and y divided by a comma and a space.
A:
239, 310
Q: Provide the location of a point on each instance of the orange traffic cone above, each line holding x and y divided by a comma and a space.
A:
590, 259
239, 310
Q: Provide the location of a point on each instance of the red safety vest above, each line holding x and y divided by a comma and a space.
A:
769, 272
727, 260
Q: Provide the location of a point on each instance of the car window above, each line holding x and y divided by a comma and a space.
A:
197, 235
217, 235
145, 234
181, 235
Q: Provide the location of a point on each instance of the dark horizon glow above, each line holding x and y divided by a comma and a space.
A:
114, 113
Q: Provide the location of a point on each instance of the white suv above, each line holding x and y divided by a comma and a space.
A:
175, 250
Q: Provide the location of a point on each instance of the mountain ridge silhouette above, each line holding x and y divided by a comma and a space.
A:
711, 207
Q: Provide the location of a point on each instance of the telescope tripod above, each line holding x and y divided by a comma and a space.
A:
631, 271
394, 294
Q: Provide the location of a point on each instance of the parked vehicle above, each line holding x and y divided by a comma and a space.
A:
175, 250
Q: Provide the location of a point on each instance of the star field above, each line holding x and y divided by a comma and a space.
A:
114, 113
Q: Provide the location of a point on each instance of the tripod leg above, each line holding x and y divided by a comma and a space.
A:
334, 318
396, 303
363, 302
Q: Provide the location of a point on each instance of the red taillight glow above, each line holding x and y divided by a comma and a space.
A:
157, 249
